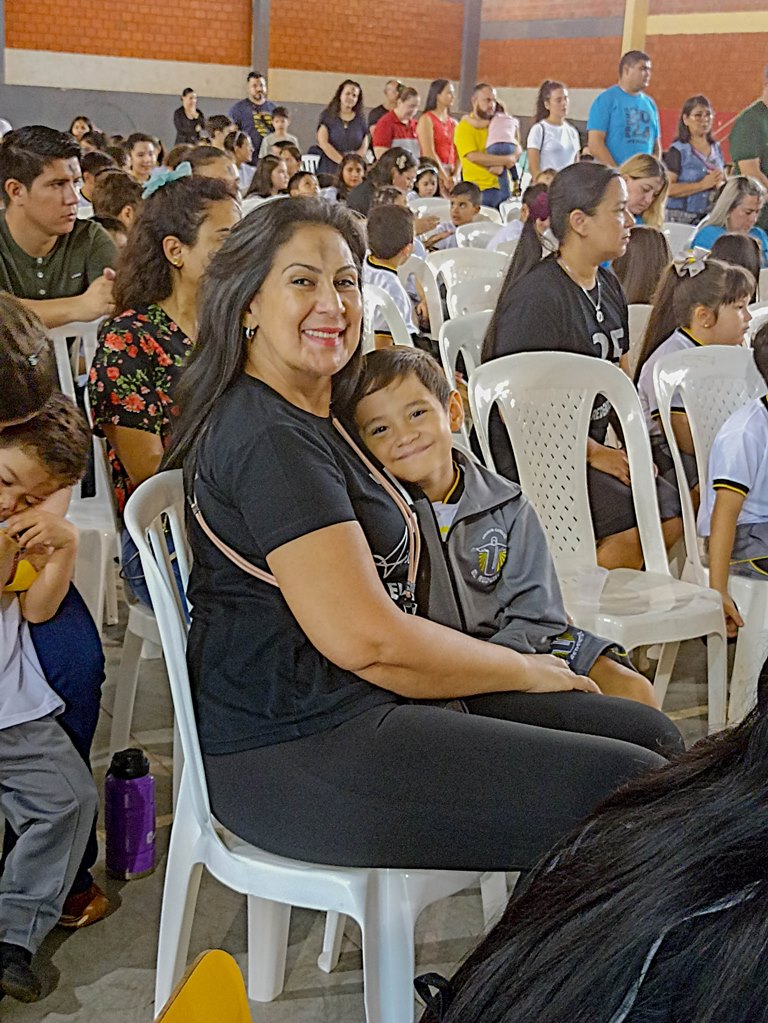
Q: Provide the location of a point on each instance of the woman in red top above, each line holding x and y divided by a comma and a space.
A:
435, 131
398, 126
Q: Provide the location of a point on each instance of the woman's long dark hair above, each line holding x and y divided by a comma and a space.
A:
739, 250
235, 274
546, 89
683, 134
582, 186
644, 261
679, 858
177, 209
334, 106
435, 89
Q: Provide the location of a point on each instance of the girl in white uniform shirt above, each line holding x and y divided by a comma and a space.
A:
700, 301
552, 141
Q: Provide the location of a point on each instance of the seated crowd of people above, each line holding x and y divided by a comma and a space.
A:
228, 276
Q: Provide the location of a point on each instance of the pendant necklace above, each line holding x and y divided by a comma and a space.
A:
599, 315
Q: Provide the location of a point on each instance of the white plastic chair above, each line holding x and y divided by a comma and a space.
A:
510, 210
425, 275
95, 566
762, 285
714, 382
506, 248
472, 297
477, 235
679, 236
489, 213
759, 311
457, 265
375, 300
310, 162
385, 902
639, 314
463, 337
546, 401
250, 203
432, 207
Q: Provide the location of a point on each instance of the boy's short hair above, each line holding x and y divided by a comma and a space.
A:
387, 195
294, 179
111, 224
57, 437
113, 191
27, 365
470, 189
385, 365
760, 351
93, 163
390, 229
26, 152
217, 122
281, 112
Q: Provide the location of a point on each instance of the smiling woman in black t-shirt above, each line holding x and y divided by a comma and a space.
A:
315, 698
570, 303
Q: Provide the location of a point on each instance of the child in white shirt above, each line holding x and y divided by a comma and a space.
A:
47, 794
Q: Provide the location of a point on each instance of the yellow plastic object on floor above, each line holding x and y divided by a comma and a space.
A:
211, 991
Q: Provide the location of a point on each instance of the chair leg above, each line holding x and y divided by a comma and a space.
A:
111, 613
332, 938
182, 884
268, 924
751, 645
125, 692
717, 680
664, 670
389, 958
494, 894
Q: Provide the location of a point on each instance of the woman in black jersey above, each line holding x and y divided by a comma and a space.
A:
316, 698
570, 303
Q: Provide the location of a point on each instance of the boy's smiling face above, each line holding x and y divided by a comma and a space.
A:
408, 430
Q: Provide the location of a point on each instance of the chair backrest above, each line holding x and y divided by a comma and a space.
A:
678, 236
546, 401
157, 505
211, 990
433, 207
489, 213
639, 314
425, 275
463, 337
375, 300
86, 335
506, 248
712, 382
762, 286
310, 162
457, 265
510, 210
759, 313
477, 235
472, 296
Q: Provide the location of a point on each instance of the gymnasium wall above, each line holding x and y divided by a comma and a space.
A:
125, 63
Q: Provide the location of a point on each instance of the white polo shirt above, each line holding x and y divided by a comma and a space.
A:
386, 278
739, 461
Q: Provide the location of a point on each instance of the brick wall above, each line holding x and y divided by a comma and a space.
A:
169, 30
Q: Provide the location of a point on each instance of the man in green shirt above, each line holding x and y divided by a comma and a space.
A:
749, 144
59, 266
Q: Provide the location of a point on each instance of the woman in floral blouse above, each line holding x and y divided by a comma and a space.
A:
143, 350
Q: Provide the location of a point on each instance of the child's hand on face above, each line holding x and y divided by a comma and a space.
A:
38, 531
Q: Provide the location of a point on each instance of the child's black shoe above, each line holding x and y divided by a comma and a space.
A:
17, 978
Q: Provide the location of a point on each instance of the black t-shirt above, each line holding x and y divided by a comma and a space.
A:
269, 473
376, 114
361, 196
545, 311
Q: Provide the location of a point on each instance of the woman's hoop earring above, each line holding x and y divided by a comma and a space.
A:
250, 333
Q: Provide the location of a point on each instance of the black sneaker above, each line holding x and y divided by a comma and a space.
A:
17, 978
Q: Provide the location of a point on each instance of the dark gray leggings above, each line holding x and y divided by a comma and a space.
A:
406, 785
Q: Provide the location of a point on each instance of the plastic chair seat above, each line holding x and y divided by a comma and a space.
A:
455, 266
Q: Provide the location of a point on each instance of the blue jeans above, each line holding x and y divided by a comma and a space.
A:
133, 573
505, 179
70, 653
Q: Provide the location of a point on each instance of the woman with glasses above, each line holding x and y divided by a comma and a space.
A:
695, 164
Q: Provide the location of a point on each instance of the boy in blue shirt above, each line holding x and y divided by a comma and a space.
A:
490, 572
623, 120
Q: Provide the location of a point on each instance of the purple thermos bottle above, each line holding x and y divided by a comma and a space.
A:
129, 815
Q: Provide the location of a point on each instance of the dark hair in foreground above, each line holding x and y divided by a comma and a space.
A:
26, 152
581, 186
385, 365
740, 250
57, 437
27, 366
670, 874
235, 274
178, 209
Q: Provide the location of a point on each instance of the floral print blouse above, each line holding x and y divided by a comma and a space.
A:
134, 375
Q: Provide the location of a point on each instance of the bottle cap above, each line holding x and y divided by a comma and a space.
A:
129, 763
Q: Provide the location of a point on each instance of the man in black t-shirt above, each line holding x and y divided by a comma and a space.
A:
392, 90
